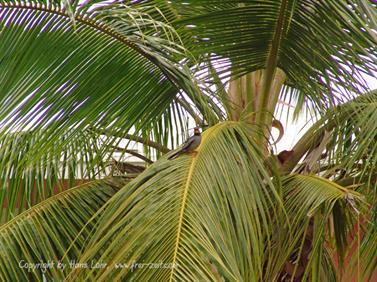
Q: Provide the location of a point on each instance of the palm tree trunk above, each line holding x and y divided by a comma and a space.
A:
246, 94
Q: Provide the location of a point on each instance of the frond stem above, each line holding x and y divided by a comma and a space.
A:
181, 214
140, 156
136, 138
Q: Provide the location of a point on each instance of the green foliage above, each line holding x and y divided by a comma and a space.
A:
207, 213
49, 230
78, 78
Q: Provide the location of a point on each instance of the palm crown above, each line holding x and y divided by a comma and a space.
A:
79, 78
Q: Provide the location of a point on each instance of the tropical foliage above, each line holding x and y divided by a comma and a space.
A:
81, 81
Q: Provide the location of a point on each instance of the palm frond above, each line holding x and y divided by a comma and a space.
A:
324, 47
206, 215
49, 230
314, 205
356, 134
29, 177
350, 152
98, 73
214, 213
366, 264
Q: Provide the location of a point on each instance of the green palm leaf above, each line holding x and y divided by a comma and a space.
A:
324, 47
208, 214
28, 178
60, 79
315, 204
98, 73
44, 233
80, 77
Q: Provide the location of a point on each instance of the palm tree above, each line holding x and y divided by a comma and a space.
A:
81, 79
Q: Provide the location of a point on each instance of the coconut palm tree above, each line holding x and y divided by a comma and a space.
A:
80, 80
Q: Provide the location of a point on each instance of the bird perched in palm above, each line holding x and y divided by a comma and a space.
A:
190, 145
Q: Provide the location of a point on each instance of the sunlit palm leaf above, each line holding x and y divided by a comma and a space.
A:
186, 212
212, 214
208, 213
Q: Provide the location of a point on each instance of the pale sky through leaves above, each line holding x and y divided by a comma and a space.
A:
293, 131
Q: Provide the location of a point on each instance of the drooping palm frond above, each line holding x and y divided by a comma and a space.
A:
180, 218
349, 159
66, 76
207, 215
107, 74
365, 262
350, 150
324, 47
356, 135
33, 243
214, 214
28, 177
317, 207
